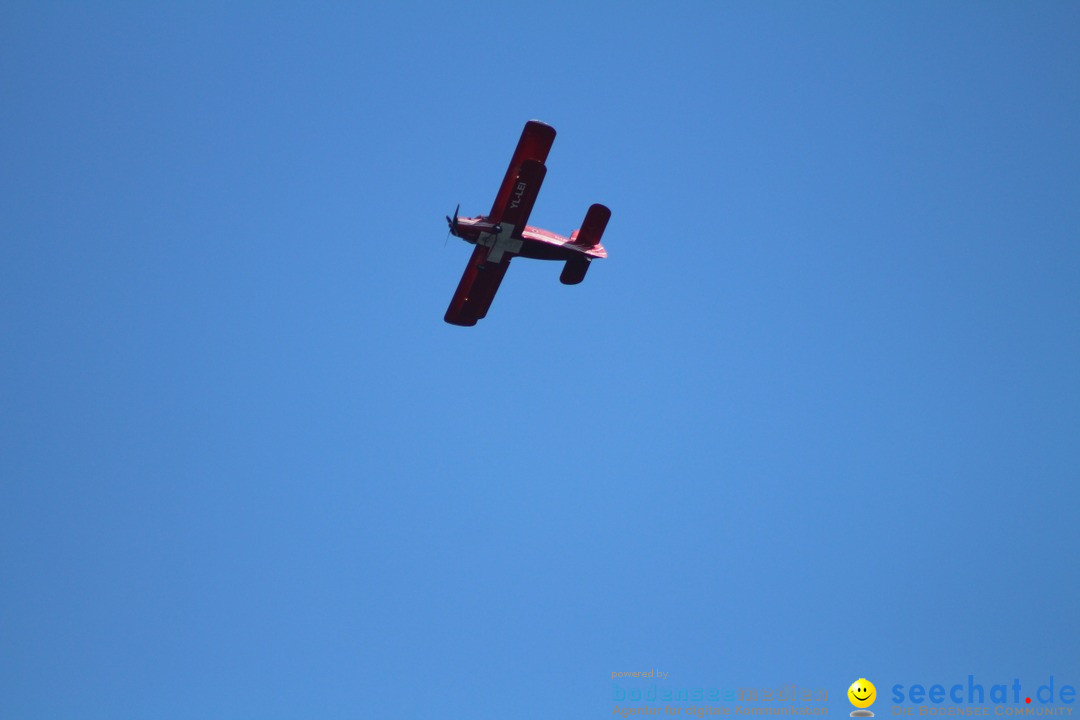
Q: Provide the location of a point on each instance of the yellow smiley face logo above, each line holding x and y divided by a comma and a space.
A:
862, 693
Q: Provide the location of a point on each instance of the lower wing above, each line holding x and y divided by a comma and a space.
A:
477, 288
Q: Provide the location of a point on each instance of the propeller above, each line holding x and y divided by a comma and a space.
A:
452, 222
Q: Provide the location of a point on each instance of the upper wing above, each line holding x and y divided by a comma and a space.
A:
535, 143
477, 288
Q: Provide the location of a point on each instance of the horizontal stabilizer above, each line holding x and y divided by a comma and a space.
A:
574, 270
596, 220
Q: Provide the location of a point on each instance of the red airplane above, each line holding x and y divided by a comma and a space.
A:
503, 233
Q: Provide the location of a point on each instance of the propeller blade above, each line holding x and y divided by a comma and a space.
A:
452, 223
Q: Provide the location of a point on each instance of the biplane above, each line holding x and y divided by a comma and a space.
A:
504, 233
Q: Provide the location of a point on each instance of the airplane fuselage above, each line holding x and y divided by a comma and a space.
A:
534, 242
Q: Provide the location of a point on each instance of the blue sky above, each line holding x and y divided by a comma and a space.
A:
815, 419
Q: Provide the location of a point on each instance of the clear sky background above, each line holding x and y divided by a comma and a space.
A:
816, 418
